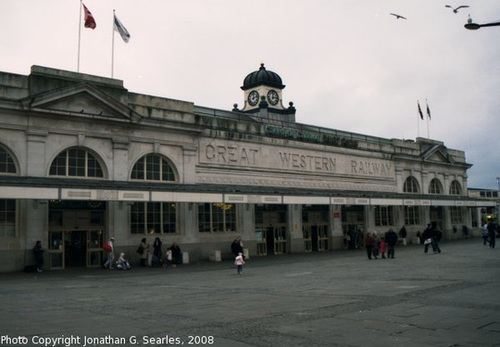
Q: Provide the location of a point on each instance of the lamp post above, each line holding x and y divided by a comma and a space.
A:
475, 26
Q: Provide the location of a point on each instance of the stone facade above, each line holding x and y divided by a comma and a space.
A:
88, 159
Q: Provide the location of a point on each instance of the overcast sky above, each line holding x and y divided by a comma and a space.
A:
346, 64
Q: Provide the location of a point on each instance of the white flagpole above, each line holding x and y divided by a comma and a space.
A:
79, 38
113, 45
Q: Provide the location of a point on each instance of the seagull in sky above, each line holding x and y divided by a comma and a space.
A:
397, 16
455, 10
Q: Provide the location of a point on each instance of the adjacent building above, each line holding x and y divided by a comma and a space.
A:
83, 159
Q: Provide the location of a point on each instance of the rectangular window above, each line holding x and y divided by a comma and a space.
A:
456, 215
7, 217
412, 215
384, 216
218, 217
156, 217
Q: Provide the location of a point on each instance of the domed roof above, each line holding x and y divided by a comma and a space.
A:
262, 77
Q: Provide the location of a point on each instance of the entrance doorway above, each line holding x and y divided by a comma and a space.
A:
353, 226
271, 229
76, 234
315, 227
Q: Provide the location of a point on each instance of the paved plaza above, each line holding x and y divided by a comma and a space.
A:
335, 298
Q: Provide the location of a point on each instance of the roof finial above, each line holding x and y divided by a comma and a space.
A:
262, 65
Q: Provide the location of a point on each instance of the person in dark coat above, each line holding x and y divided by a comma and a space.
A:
492, 233
427, 237
369, 243
38, 254
436, 237
176, 253
392, 239
157, 253
236, 247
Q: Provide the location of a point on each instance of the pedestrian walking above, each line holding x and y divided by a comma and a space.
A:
110, 248
427, 237
239, 262
383, 247
38, 254
492, 233
484, 234
145, 251
368, 241
391, 239
436, 238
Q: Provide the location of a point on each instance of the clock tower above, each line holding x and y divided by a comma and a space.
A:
263, 95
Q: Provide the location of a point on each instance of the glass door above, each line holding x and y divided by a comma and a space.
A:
94, 248
56, 250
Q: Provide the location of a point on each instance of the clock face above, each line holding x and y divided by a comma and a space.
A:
273, 97
253, 98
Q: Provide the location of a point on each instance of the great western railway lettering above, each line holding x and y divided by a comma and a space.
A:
368, 168
307, 162
231, 154
269, 158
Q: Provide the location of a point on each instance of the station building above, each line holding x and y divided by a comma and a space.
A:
83, 159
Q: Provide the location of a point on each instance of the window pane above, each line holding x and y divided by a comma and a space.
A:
137, 218
167, 172
6, 162
153, 217
58, 167
153, 168
204, 218
93, 167
7, 217
169, 217
138, 170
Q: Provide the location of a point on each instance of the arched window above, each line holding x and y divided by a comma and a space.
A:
435, 187
455, 188
153, 167
76, 162
411, 185
7, 165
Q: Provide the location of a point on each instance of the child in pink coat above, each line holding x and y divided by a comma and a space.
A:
239, 262
383, 247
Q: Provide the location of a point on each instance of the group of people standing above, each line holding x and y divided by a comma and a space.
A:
376, 245
171, 258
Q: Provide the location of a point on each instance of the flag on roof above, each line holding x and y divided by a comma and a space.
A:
121, 29
420, 111
428, 111
89, 19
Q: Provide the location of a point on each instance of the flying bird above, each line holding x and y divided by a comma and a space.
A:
397, 16
455, 10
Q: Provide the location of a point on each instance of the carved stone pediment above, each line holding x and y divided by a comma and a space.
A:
82, 99
437, 154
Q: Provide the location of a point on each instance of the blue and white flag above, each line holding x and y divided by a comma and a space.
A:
121, 29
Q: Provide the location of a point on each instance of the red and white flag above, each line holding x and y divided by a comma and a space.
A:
89, 19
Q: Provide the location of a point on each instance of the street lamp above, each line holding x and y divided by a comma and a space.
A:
475, 26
